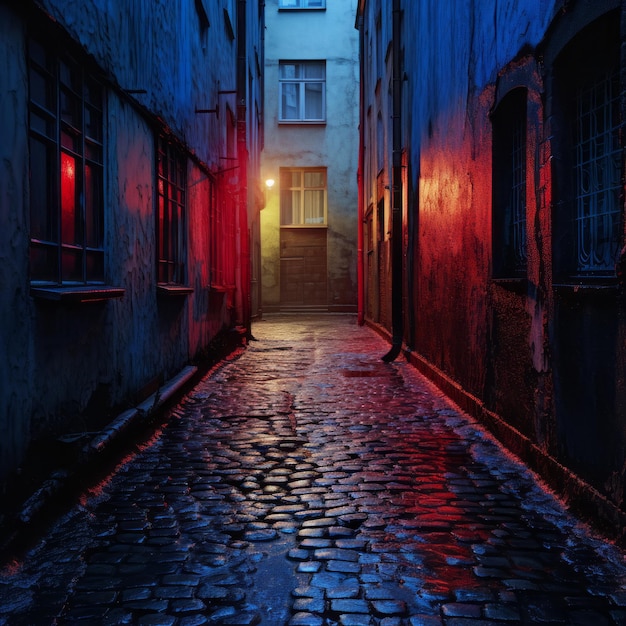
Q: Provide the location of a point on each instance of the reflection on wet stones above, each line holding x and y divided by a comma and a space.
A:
306, 483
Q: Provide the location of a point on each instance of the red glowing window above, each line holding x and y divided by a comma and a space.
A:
66, 168
69, 222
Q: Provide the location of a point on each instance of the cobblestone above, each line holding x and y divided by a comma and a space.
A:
307, 483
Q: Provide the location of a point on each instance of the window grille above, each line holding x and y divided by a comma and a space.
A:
598, 165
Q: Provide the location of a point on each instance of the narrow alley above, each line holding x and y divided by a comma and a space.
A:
305, 482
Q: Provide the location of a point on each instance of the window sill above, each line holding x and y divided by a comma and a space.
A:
518, 284
302, 122
282, 226
589, 288
76, 294
586, 282
173, 291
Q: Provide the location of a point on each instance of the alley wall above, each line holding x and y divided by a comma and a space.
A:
171, 291
530, 339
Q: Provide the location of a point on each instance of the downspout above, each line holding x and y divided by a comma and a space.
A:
361, 195
243, 233
397, 330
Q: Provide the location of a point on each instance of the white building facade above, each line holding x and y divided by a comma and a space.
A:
309, 223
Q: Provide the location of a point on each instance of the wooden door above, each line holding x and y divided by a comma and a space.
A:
303, 267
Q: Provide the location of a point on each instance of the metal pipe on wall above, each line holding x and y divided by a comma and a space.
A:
397, 330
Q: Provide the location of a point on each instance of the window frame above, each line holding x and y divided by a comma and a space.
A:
303, 188
68, 123
590, 215
302, 5
591, 52
302, 83
171, 214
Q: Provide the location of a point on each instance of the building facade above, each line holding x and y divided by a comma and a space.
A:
492, 221
131, 135
310, 152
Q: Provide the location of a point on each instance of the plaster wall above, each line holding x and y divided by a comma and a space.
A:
453, 58
132, 237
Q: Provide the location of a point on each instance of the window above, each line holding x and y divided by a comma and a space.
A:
222, 243
597, 167
66, 169
172, 182
302, 4
302, 88
509, 186
302, 197
589, 158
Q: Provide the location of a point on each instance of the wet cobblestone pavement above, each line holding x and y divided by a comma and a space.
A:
308, 483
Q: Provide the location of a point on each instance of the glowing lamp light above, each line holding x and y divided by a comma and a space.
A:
269, 183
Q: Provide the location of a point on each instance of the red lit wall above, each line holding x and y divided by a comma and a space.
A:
538, 355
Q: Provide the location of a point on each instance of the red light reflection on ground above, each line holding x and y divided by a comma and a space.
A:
97, 490
432, 522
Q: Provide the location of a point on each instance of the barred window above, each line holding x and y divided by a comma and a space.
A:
587, 146
597, 165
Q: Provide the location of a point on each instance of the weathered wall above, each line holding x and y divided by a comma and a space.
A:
132, 237
539, 360
326, 35
453, 57
69, 368
159, 48
16, 348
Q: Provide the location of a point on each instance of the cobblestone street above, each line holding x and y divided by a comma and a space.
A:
306, 482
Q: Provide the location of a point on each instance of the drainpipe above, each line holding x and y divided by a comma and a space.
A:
360, 225
397, 330
243, 228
